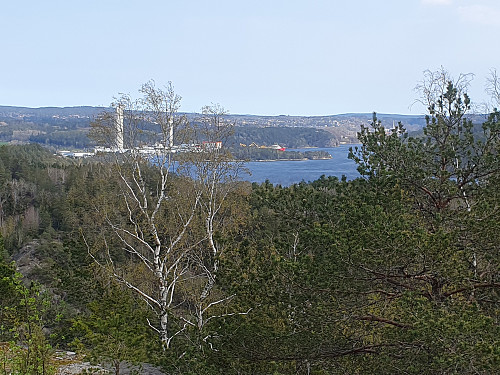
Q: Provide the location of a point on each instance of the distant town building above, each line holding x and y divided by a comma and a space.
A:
212, 145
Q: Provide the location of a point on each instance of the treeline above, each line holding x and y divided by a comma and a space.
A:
285, 136
64, 139
256, 153
76, 137
67, 135
392, 273
68, 128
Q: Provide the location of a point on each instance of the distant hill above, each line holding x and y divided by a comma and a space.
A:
58, 127
67, 127
51, 111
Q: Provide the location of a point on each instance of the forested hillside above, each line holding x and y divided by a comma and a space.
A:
198, 273
68, 127
287, 137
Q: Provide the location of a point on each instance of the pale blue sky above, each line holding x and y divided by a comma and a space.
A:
296, 57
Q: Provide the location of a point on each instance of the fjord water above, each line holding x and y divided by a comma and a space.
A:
290, 172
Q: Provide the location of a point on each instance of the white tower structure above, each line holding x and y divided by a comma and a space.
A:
171, 135
119, 127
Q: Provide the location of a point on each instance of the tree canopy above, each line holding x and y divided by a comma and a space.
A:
175, 262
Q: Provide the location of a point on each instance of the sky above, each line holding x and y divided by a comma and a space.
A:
263, 57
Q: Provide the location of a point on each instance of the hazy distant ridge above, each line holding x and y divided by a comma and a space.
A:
12, 112
67, 127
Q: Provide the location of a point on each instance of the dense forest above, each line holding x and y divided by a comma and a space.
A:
196, 272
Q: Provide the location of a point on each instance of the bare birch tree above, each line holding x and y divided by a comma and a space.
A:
493, 88
173, 197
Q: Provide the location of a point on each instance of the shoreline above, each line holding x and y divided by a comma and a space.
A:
271, 160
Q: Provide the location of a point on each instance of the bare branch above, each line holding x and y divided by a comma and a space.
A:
493, 88
373, 318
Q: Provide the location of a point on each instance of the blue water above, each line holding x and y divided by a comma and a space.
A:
290, 172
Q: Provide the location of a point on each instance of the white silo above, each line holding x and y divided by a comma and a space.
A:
119, 127
171, 135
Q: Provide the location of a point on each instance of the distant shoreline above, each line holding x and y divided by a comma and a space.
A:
271, 160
